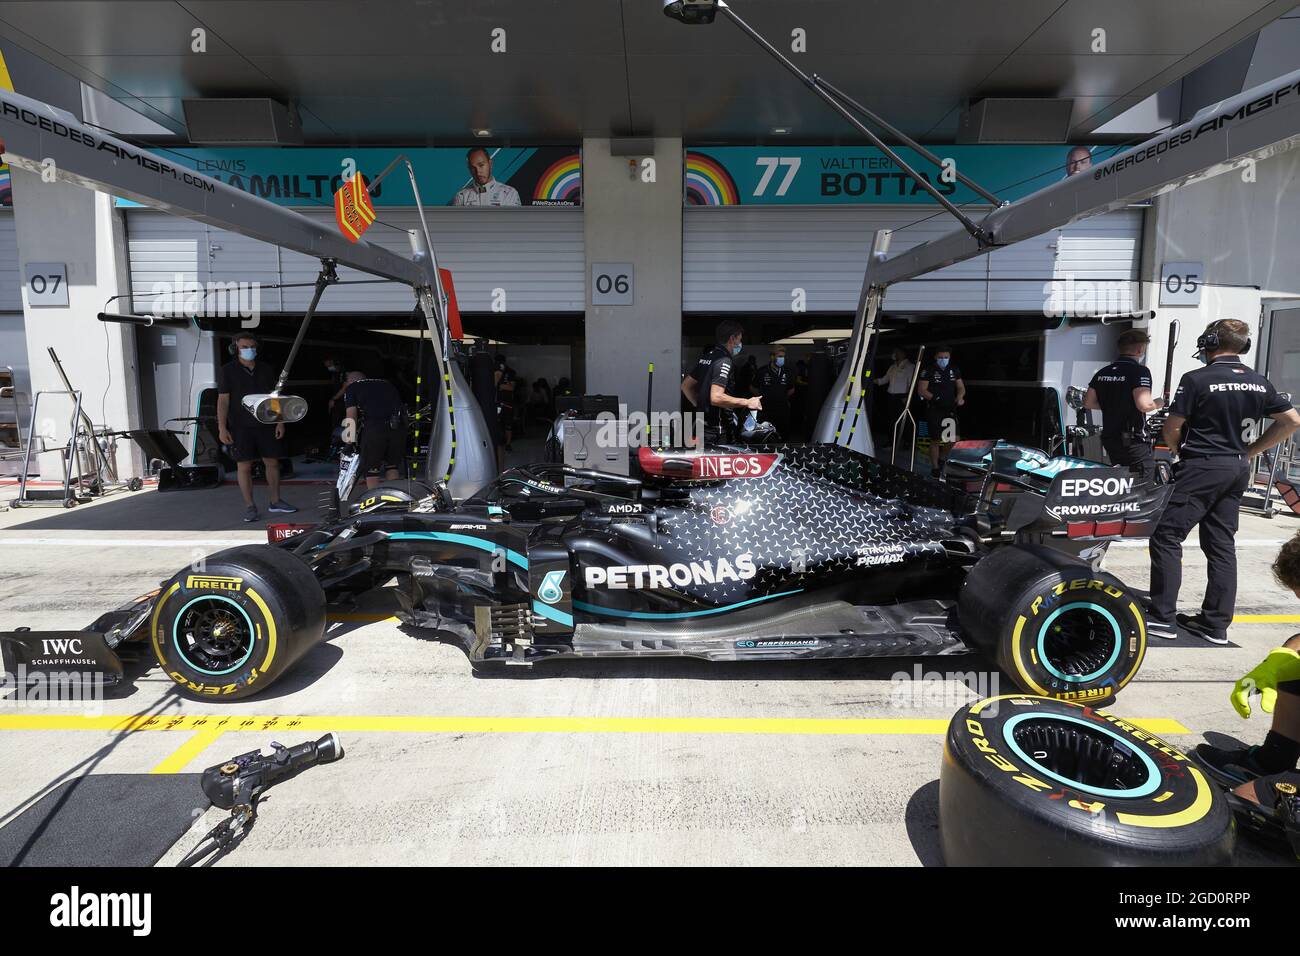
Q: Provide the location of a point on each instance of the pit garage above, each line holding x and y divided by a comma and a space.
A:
605, 646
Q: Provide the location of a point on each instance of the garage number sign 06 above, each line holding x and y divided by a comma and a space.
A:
1180, 283
47, 284
612, 283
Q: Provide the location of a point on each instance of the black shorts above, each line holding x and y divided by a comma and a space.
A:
935, 416
381, 448
252, 443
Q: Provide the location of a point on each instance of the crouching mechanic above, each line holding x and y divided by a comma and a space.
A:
1255, 772
375, 414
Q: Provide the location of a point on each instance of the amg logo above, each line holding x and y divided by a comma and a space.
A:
74, 909
1072, 487
213, 583
56, 646
469, 527
671, 575
1238, 387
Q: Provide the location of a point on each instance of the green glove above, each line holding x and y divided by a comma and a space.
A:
1281, 665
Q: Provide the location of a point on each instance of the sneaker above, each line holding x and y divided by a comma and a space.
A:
1158, 628
1196, 624
281, 508
250, 514
1230, 767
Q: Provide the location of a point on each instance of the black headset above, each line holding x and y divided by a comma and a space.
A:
1208, 341
233, 347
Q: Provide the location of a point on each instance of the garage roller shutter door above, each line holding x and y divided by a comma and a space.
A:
749, 259
11, 296
534, 256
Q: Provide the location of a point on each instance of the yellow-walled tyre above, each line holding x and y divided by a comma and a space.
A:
234, 628
1029, 781
1055, 627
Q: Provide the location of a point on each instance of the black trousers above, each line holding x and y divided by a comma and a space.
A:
1207, 491
1136, 453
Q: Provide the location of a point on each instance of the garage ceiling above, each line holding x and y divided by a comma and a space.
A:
422, 71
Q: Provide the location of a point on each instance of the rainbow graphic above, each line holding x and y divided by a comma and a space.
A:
6, 189
708, 183
561, 183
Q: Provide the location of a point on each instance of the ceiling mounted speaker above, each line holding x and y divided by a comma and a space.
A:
249, 121
1016, 120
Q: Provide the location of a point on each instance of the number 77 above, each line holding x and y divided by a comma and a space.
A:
771, 163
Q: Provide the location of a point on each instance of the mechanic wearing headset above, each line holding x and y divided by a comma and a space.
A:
376, 412
1220, 405
709, 384
1254, 772
483, 190
1122, 392
246, 437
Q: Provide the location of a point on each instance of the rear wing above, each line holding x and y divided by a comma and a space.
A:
1093, 503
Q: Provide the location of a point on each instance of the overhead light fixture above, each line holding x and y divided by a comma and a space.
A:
482, 133
692, 11
780, 130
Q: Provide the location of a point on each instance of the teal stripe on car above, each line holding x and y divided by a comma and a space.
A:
675, 615
491, 547
551, 614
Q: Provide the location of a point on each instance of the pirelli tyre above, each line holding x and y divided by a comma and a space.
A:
1030, 781
1054, 626
234, 628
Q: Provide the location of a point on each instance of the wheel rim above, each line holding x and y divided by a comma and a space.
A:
1079, 642
213, 635
1082, 755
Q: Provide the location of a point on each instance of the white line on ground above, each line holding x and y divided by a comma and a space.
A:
1243, 543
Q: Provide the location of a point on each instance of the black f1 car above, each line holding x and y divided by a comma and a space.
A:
795, 551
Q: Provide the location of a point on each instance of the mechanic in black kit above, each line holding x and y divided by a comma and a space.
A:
775, 386
378, 417
710, 384
1220, 405
246, 437
1122, 392
944, 392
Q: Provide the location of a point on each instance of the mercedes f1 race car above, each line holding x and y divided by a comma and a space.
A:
775, 552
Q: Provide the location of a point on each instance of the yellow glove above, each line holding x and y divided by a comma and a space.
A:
1281, 665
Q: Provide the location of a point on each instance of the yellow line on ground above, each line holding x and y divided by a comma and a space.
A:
187, 751
518, 725
363, 618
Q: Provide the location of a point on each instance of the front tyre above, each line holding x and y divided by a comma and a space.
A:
234, 628
1056, 627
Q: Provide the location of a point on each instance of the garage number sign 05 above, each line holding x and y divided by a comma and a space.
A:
47, 284
1180, 283
612, 283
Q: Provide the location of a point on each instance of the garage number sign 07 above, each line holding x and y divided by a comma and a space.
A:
1180, 283
47, 284
612, 283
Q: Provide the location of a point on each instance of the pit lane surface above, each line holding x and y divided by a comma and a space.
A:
627, 762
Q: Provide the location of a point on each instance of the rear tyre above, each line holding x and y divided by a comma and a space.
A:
237, 626
1056, 627
1028, 781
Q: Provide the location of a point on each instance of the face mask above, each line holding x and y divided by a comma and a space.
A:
780, 361
735, 350
942, 363
248, 354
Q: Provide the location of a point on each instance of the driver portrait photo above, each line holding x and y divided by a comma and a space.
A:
483, 189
